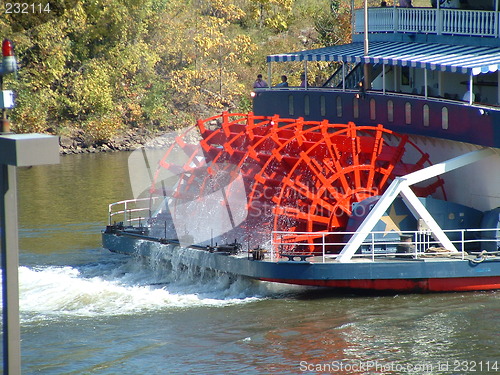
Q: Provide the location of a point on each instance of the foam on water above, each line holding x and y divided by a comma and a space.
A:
132, 286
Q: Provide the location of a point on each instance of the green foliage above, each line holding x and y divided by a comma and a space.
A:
99, 129
102, 65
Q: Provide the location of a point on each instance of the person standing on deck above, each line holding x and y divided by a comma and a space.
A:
303, 80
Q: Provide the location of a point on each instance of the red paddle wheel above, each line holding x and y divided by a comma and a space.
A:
297, 176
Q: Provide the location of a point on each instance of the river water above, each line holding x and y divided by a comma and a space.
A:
87, 311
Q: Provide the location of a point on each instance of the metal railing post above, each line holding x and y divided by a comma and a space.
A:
463, 244
439, 21
373, 247
323, 242
415, 242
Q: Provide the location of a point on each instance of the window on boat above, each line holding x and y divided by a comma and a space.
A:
390, 111
339, 106
355, 107
405, 75
426, 115
444, 118
291, 110
307, 110
373, 114
323, 105
408, 113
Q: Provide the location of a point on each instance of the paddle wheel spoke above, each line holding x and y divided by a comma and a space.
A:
298, 176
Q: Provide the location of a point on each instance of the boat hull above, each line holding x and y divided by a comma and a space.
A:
389, 275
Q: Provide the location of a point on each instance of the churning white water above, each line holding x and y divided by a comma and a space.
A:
110, 289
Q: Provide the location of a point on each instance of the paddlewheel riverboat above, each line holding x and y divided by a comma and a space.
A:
394, 187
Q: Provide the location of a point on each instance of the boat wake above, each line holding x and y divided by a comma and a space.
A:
131, 286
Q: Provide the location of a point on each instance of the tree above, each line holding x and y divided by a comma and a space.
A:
100, 65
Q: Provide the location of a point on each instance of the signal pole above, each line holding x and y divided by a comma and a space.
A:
16, 150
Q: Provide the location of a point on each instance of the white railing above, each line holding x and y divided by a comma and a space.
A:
416, 244
429, 21
416, 20
130, 211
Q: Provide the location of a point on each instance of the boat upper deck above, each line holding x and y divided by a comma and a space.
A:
478, 26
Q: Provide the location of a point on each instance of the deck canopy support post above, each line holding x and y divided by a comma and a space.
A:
471, 95
401, 185
425, 83
383, 78
269, 74
395, 72
440, 84
305, 74
343, 76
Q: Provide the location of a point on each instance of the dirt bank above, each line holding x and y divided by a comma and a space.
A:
129, 140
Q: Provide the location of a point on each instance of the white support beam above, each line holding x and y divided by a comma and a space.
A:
420, 212
371, 220
401, 185
448, 165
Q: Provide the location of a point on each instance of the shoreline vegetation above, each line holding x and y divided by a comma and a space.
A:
112, 74
127, 141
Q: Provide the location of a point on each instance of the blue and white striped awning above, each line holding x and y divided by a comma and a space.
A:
451, 58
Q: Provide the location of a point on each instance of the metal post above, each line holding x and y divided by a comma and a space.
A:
16, 150
366, 48
365, 39
425, 83
440, 83
395, 17
10, 265
373, 247
305, 74
269, 74
343, 78
439, 19
323, 243
470, 88
383, 78
5, 123
496, 19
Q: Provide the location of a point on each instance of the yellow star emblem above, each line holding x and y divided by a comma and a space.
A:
392, 221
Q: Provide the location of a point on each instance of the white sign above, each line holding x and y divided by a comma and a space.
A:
7, 99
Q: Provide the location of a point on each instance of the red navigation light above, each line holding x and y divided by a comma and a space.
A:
7, 49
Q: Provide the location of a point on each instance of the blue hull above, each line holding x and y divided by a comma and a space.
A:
388, 275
